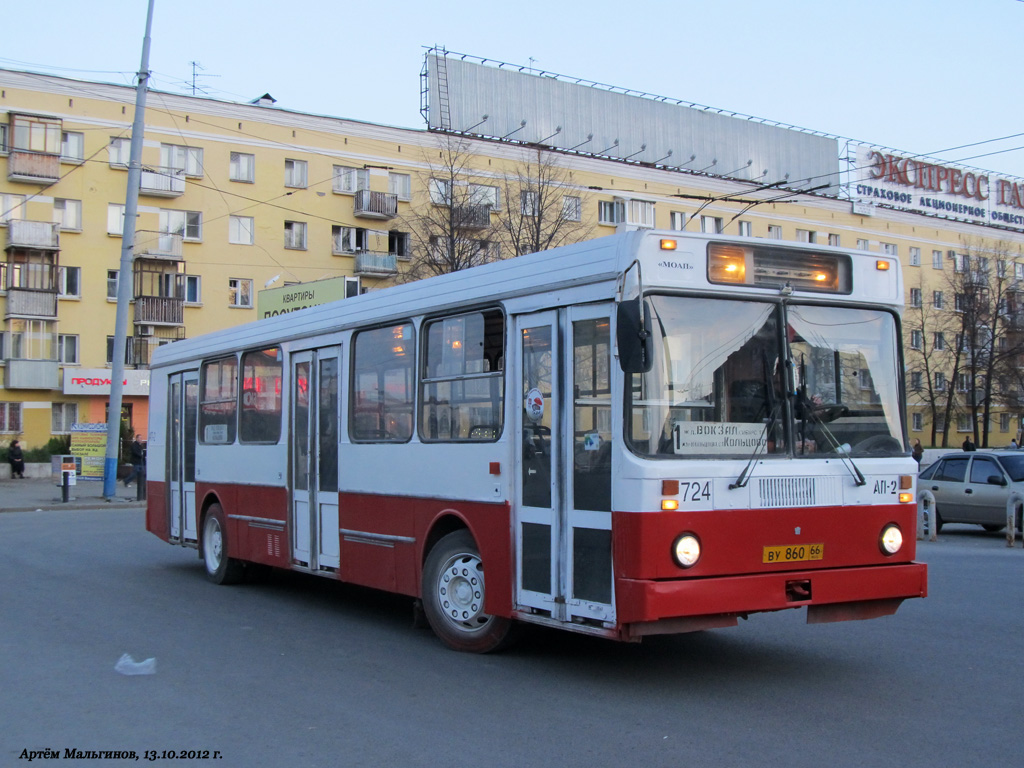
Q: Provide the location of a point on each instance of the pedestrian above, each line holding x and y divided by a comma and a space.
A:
16, 459
918, 452
969, 444
1013, 444
138, 459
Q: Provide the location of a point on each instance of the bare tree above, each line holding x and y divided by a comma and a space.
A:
450, 227
928, 360
542, 208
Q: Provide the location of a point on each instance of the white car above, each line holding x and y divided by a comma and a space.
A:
974, 487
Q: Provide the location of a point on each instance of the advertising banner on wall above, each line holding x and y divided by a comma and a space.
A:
915, 183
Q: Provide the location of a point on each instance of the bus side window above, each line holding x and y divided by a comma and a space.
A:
463, 378
260, 420
383, 384
218, 401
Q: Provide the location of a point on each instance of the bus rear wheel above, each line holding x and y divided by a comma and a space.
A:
454, 595
220, 569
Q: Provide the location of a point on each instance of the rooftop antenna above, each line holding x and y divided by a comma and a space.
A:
195, 75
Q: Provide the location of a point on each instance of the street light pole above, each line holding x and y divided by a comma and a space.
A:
124, 275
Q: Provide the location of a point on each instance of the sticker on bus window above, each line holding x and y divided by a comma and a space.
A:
534, 405
718, 437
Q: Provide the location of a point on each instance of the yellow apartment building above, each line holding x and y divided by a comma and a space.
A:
240, 198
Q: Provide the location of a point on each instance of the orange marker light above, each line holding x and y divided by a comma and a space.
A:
882, 266
668, 245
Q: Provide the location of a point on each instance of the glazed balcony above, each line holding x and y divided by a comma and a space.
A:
31, 303
370, 264
158, 245
31, 374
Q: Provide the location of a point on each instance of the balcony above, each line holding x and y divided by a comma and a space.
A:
143, 343
375, 205
376, 264
39, 235
162, 182
33, 167
27, 302
32, 374
158, 245
159, 310
471, 216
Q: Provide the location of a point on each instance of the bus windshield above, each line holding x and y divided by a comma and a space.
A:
734, 378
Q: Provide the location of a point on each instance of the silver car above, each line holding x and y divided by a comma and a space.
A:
974, 487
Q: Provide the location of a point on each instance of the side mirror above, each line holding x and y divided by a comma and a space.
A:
633, 337
996, 480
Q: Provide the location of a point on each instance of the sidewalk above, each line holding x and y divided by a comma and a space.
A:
33, 494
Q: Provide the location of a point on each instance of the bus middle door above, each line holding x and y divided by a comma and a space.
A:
563, 487
314, 451
182, 414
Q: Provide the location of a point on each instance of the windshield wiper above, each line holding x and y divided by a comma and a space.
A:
807, 410
773, 416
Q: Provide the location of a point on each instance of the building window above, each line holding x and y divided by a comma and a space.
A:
806, 236
487, 196
940, 382
242, 167
119, 152
960, 262
68, 213
111, 283
398, 244
677, 220
890, 249
937, 299
1018, 270
774, 232
115, 219
916, 381
188, 224
711, 225
1004, 422
958, 302
129, 356
348, 180
10, 418
240, 230
936, 259
938, 341
69, 282
916, 422
916, 339
572, 208
964, 423
295, 173
400, 184
833, 240
11, 207
240, 292
746, 229
188, 160
295, 235
349, 239
62, 417
440, 191
72, 147
915, 257
963, 382
915, 297
3, 138
863, 245
528, 203
610, 212
193, 289
67, 348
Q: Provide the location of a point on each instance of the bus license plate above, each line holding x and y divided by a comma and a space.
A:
797, 553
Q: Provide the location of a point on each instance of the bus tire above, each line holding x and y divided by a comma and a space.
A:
220, 569
454, 595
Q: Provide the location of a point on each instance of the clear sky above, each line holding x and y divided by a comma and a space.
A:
921, 76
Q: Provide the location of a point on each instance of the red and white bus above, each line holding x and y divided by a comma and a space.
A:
646, 433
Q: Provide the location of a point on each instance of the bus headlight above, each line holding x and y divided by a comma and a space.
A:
891, 540
686, 550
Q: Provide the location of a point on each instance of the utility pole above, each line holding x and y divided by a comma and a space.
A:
125, 274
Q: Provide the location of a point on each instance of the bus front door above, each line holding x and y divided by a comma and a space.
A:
563, 484
314, 456
183, 410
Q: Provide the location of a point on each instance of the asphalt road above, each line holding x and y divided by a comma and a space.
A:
300, 671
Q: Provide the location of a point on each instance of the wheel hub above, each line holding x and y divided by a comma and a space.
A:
461, 592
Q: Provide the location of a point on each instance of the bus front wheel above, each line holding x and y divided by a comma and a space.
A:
220, 569
454, 595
